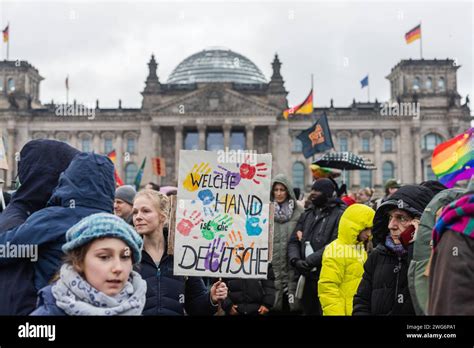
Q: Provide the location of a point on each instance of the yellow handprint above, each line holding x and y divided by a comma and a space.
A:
192, 180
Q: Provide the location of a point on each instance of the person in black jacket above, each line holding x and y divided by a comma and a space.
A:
250, 296
38, 173
317, 225
168, 294
384, 286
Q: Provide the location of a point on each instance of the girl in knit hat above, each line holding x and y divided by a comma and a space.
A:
97, 277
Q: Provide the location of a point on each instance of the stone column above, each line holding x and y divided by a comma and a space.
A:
74, 139
417, 154
406, 152
178, 146
96, 142
378, 159
202, 136
11, 156
249, 129
226, 128
355, 149
119, 165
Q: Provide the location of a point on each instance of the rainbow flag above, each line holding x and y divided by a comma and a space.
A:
453, 160
305, 107
413, 34
113, 157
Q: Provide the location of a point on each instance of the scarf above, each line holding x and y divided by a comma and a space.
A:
75, 296
458, 217
284, 211
398, 249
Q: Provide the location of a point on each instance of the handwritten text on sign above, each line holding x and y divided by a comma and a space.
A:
222, 216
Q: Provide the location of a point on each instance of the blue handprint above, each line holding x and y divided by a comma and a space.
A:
252, 224
206, 197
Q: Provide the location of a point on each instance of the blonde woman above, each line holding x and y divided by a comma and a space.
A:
168, 294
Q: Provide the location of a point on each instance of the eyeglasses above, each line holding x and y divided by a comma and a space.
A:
403, 220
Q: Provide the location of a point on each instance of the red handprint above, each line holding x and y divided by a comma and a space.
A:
186, 225
249, 172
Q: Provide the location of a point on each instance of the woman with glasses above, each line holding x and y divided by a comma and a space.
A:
384, 286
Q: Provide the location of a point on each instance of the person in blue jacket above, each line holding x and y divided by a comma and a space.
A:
97, 277
168, 294
41, 162
86, 187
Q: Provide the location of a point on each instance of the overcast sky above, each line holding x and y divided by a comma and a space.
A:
104, 47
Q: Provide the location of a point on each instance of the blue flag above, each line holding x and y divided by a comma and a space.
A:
317, 138
364, 82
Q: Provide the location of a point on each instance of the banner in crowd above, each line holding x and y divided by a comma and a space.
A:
222, 216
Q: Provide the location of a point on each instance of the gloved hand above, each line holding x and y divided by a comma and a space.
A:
302, 266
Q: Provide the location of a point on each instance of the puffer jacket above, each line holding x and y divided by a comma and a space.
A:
249, 294
172, 295
38, 172
86, 187
285, 277
343, 262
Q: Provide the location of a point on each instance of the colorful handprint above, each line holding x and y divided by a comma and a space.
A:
232, 177
211, 262
185, 225
240, 252
253, 224
207, 197
192, 180
250, 172
219, 224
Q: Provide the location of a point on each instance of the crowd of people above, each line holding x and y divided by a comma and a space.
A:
103, 250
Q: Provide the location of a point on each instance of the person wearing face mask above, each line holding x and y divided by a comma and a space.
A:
316, 228
384, 286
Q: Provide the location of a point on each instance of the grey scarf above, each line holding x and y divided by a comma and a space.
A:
75, 296
284, 211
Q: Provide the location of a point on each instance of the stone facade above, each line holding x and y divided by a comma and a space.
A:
400, 146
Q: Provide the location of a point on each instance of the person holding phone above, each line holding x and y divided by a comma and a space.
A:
384, 286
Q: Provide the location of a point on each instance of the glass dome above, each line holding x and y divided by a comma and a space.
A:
216, 65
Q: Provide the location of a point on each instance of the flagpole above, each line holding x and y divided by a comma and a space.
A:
8, 41
421, 43
368, 88
67, 90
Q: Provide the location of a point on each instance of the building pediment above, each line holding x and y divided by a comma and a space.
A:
216, 99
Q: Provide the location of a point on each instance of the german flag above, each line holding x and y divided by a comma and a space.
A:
305, 107
113, 157
413, 34
5, 34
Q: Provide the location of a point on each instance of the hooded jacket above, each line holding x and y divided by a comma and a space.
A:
384, 286
343, 261
38, 172
284, 274
86, 187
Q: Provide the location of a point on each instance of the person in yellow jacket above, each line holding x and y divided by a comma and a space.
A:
343, 260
